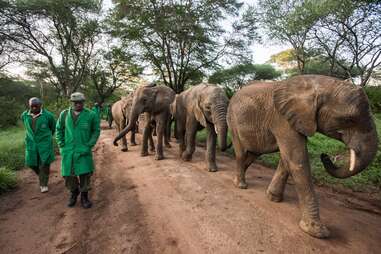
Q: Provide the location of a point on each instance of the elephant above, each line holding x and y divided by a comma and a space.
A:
266, 117
155, 101
201, 106
120, 114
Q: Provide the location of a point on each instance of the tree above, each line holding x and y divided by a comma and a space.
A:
348, 33
182, 38
314, 64
238, 75
288, 22
111, 70
57, 37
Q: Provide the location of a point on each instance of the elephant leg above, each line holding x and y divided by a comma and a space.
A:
146, 136
151, 142
181, 138
211, 145
278, 183
243, 160
160, 132
124, 140
132, 138
190, 139
167, 134
296, 160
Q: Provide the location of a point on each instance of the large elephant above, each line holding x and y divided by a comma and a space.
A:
201, 106
265, 117
120, 114
155, 102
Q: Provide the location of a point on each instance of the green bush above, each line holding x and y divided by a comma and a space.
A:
8, 179
10, 112
12, 148
374, 95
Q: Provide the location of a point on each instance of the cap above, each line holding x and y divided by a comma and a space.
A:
77, 96
34, 101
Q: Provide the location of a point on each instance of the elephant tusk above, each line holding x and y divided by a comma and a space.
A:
353, 160
215, 129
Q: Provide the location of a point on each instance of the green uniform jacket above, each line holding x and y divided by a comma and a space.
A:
76, 140
39, 142
97, 111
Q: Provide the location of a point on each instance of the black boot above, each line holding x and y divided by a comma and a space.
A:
86, 203
73, 198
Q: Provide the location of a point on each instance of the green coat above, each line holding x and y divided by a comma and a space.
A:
39, 142
97, 111
76, 140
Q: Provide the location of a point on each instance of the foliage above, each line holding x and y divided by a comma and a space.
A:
238, 75
181, 38
56, 38
345, 33
288, 22
110, 70
10, 112
12, 148
8, 179
13, 100
349, 32
374, 96
320, 65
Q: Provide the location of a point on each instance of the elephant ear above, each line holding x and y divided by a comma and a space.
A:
298, 104
199, 114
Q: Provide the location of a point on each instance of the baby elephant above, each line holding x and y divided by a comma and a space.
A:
265, 117
120, 114
201, 106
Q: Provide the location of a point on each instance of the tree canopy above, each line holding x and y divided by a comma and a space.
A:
181, 38
238, 75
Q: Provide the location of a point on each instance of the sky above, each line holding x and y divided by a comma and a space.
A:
261, 52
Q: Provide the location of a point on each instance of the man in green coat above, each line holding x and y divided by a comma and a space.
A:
108, 114
77, 132
39, 153
97, 108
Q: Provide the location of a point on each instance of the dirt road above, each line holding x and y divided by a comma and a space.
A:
147, 206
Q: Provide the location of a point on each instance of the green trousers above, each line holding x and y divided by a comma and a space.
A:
42, 170
81, 182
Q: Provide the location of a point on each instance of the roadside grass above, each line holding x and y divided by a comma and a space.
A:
8, 179
12, 148
368, 180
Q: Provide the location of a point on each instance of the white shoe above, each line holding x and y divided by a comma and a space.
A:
44, 189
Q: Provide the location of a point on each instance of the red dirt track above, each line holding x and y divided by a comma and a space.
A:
146, 206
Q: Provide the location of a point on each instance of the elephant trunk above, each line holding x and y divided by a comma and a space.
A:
362, 151
220, 125
131, 125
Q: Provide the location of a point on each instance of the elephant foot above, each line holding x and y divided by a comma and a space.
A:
186, 156
240, 183
274, 198
133, 144
159, 157
144, 153
212, 168
314, 228
124, 149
